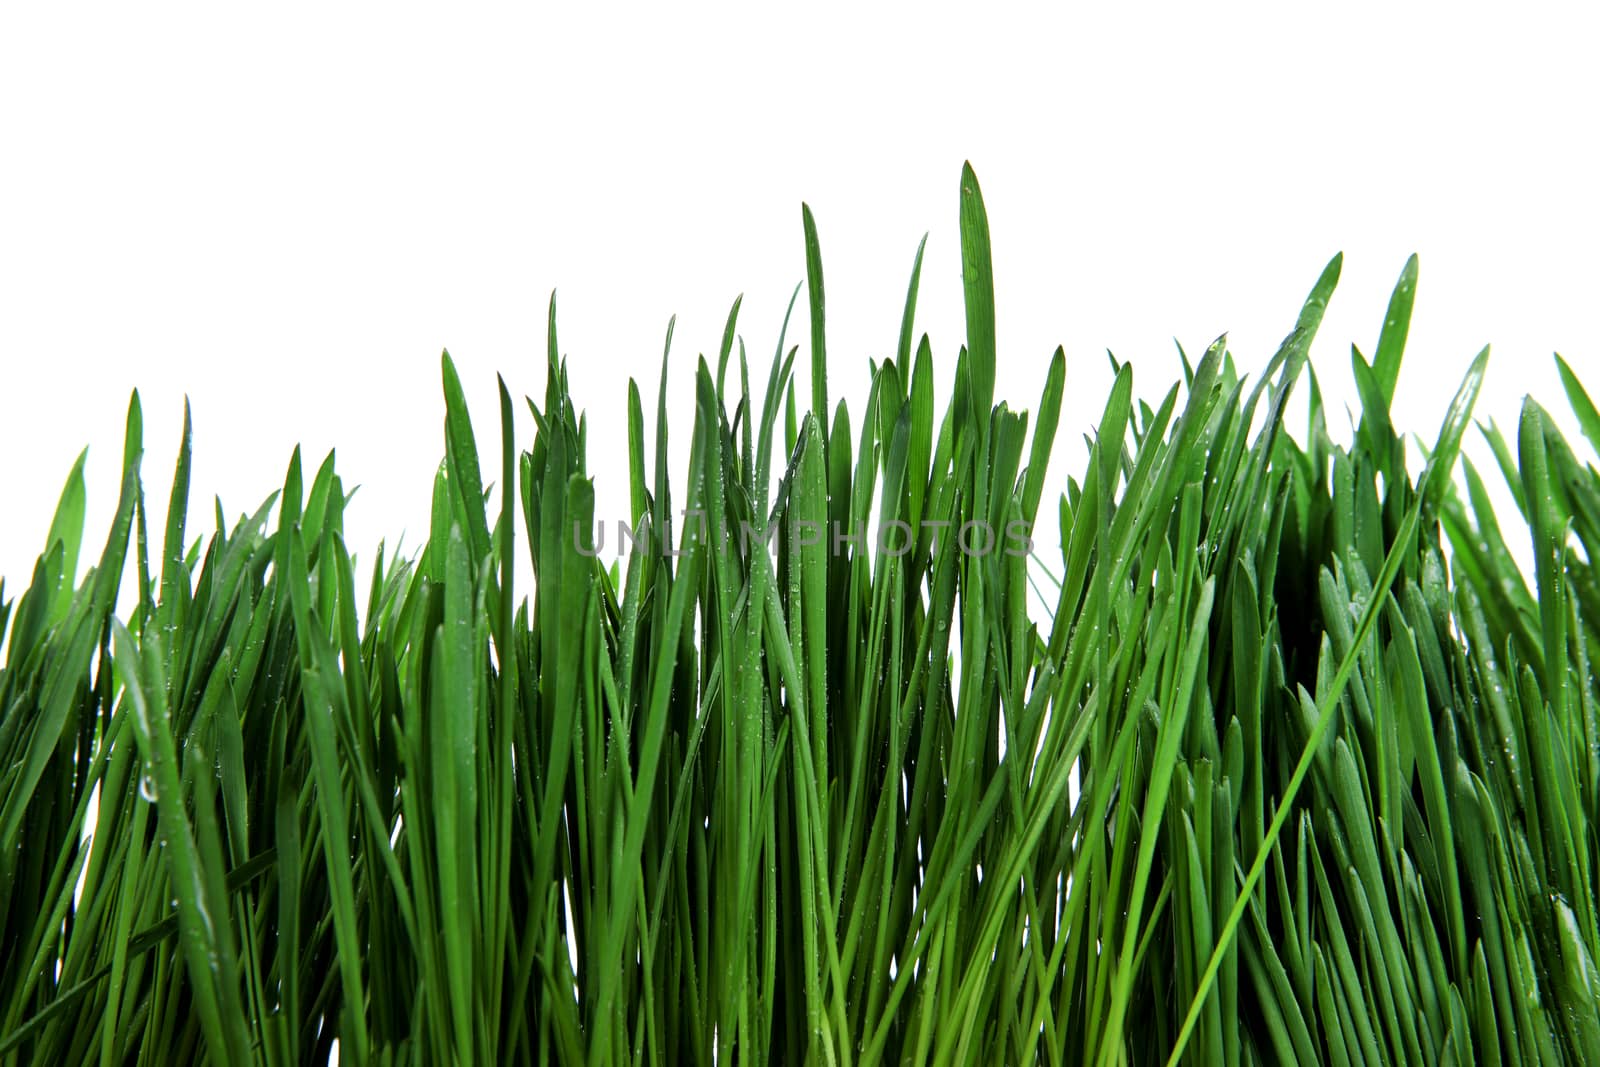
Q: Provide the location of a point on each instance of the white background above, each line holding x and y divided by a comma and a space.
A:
287, 215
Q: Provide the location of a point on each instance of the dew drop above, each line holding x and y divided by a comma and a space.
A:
147, 788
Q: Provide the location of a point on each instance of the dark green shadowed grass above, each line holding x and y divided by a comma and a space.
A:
1298, 765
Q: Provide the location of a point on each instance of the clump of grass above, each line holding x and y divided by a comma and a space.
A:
1299, 768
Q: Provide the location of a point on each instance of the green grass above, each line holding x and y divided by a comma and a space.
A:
1297, 767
